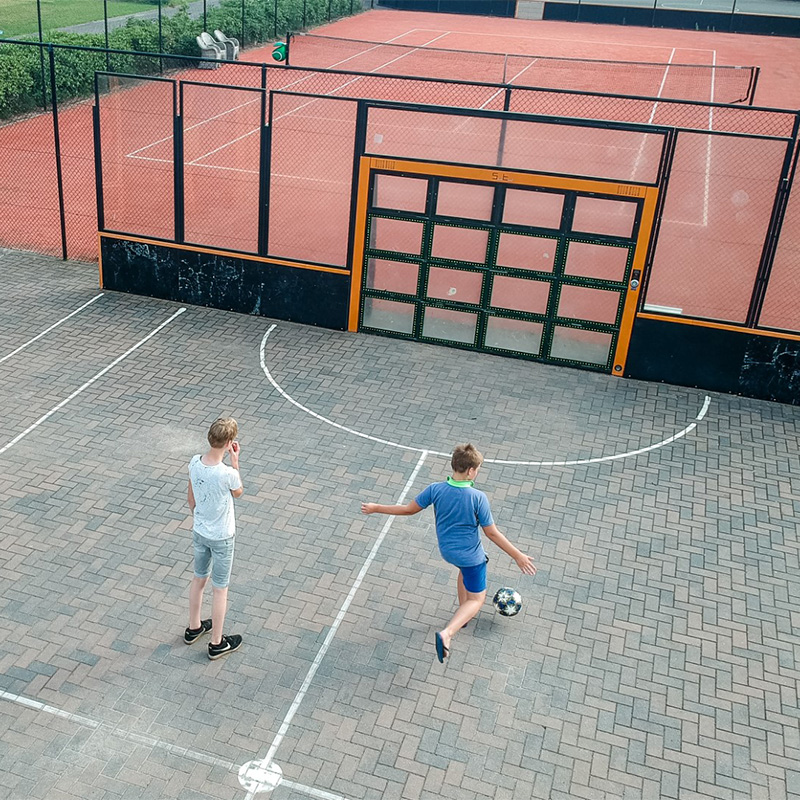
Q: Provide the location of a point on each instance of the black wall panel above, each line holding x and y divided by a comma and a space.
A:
228, 282
672, 18
486, 8
753, 365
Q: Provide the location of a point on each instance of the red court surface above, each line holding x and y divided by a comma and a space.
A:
312, 164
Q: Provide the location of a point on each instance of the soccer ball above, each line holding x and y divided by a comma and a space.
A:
507, 602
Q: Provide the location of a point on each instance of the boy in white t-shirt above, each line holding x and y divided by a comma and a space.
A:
212, 487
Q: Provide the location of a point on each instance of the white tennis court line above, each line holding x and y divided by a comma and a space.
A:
377, 439
88, 383
149, 741
566, 42
196, 161
134, 153
52, 327
287, 721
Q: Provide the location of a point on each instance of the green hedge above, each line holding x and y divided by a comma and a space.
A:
21, 72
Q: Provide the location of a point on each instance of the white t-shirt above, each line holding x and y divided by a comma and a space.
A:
213, 512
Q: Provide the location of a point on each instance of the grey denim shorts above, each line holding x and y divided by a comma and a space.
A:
213, 557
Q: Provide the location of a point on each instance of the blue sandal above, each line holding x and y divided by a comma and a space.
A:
441, 651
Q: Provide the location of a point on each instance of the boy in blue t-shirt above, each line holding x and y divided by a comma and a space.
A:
460, 510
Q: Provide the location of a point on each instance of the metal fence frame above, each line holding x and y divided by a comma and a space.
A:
778, 210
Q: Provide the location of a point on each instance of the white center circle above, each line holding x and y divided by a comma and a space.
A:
255, 777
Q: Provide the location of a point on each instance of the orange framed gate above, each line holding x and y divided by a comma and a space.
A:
537, 266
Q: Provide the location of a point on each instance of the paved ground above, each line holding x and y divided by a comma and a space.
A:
656, 655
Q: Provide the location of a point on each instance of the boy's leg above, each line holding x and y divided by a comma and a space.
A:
471, 594
462, 592
466, 611
195, 601
219, 605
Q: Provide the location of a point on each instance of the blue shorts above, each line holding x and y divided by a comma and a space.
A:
475, 577
213, 557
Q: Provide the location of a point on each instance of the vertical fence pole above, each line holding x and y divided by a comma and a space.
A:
329, 10
105, 29
304, 14
41, 54
275, 20
177, 158
205, 15
265, 147
98, 158
774, 229
57, 139
242, 40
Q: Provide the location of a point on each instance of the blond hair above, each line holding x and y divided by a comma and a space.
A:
465, 457
222, 431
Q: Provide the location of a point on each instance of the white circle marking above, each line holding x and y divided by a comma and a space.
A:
575, 462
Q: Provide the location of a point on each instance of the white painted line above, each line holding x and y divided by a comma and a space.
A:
151, 741
427, 451
287, 721
566, 42
661, 88
138, 738
52, 327
311, 791
89, 383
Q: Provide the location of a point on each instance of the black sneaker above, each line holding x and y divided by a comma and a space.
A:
191, 636
227, 645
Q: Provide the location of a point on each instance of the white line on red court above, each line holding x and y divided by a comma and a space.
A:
88, 383
567, 42
52, 327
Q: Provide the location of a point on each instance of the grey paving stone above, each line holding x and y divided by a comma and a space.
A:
656, 654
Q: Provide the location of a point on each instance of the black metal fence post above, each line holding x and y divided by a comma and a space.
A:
304, 14
57, 139
242, 40
265, 148
275, 20
177, 156
205, 15
41, 54
105, 29
160, 41
98, 157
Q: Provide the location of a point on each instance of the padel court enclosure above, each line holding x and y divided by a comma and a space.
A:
644, 250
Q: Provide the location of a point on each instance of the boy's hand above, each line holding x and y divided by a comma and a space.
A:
368, 508
525, 563
234, 449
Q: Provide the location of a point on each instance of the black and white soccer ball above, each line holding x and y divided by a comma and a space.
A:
507, 602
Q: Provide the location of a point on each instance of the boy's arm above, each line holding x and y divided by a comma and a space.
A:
234, 449
190, 497
396, 511
525, 563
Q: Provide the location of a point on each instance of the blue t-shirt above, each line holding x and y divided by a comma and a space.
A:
460, 511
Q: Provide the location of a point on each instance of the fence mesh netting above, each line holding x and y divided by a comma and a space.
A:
311, 173
716, 214
136, 133
721, 84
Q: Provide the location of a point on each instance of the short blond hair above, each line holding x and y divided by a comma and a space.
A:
222, 431
465, 457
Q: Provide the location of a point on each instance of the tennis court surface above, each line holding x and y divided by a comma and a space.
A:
655, 656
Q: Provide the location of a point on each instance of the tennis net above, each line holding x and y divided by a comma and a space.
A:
703, 82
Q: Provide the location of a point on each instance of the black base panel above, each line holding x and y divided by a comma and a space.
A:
227, 282
486, 8
673, 18
764, 367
